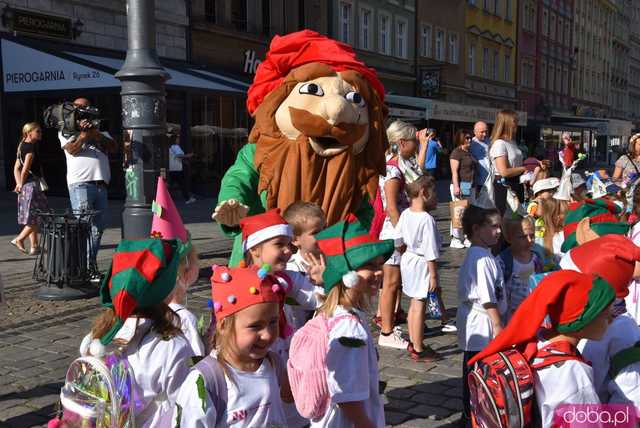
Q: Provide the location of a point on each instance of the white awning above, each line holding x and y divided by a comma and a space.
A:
27, 69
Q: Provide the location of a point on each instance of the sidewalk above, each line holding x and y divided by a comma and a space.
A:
39, 339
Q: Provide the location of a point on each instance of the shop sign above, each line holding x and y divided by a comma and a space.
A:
440, 110
250, 62
27, 69
45, 25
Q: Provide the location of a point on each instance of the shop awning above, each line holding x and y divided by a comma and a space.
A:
28, 68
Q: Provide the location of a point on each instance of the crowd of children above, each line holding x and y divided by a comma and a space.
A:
289, 340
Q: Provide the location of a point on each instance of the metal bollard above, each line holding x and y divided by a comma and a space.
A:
62, 265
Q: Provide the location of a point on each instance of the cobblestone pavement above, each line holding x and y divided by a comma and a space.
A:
39, 339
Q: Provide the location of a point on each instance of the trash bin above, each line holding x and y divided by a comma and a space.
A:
63, 265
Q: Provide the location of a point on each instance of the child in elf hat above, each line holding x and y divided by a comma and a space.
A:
578, 306
614, 257
138, 320
352, 278
542, 190
481, 295
241, 382
552, 238
632, 301
418, 265
167, 224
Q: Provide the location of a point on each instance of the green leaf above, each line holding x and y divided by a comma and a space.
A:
351, 342
202, 392
156, 208
200, 326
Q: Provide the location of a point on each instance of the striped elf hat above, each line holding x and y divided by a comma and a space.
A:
571, 299
603, 220
142, 274
347, 246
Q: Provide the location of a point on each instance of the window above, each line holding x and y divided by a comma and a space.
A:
472, 59
210, 10
365, 28
496, 64
453, 48
496, 7
345, 22
440, 45
507, 68
552, 27
545, 22
552, 75
543, 74
401, 38
385, 42
560, 30
558, 79
485, 63
565, 80
485, 5
425, 40
239, 15
266, 17
507, 10
567, 33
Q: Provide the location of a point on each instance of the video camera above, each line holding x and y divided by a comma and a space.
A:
66, 117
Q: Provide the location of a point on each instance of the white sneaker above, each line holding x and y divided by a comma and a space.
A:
456, 243
467, 243
190, 200
394, 340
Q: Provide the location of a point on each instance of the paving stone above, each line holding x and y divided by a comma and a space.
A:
400, 393
433, 387
452, 404
429, 399
394, 418
397, 404
400, 372
431, 412
400, 382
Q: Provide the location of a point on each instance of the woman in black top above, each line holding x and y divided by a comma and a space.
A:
27, 172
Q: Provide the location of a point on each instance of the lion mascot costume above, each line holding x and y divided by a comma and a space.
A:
319, 135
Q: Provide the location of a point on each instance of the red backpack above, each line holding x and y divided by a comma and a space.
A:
379, 213
501, 386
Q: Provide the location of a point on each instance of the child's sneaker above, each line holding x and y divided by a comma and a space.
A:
393, 340
456, 243
449, 327
427, 355
467, 243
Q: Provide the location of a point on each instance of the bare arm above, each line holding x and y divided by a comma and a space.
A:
24, 173
494, 316
16, 171
422, 152
617, 173
391, 190
432, 267
455, 180
74, 146
502, 165
354, 411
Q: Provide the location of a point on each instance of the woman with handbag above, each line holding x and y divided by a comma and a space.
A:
463, 168
627, 168
30, 187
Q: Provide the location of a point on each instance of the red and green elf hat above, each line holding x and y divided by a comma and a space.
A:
571, 299
603, 219
347, 246
142, 274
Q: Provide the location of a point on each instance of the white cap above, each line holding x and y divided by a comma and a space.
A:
577, 180
545, 184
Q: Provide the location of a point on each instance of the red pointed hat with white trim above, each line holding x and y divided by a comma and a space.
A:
261, 227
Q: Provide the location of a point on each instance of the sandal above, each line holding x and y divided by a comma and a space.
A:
34, 251
427, 355
18, 245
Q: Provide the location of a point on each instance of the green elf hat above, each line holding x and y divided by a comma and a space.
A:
142, 274
603, 220
347, 246
571, 299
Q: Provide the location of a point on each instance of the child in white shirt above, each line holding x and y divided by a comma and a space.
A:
481, 295
241, 382
352, 278
418, 266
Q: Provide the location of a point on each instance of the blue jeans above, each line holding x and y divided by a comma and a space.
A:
91, 196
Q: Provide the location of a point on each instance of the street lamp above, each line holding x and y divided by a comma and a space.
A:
143, 118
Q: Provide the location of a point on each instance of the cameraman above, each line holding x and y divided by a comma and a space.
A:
88, 173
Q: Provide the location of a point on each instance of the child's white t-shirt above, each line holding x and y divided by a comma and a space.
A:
420, 234
353, 372
242, 399
480, 281
189, 327
557, 241
571, 382
159, 367
518, 285
622, 333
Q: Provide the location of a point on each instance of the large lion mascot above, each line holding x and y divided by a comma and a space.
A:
318, 136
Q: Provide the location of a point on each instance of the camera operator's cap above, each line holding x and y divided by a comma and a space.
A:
167, 223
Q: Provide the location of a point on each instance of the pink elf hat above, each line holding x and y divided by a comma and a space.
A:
167, 223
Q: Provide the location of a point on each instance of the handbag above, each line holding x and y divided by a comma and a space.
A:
465, 188
433, 305
42, 184
456, 209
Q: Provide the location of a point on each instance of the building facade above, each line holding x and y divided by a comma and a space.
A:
490, 49
382, 32
440, 57
621, 47
54, 51
634, 64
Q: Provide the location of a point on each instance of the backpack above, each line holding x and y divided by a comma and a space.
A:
501, 386
379, 213
307, 365
506, 259
98, 392
624, 358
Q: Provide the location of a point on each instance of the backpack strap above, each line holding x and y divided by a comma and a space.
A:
506, 257
214, 382
624, 358
551, 354
394, 163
